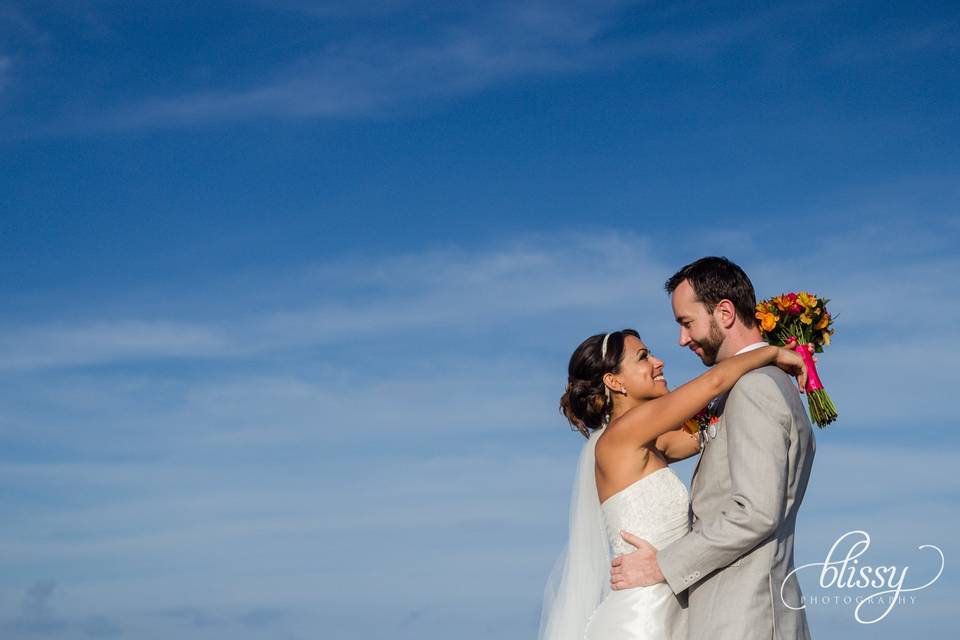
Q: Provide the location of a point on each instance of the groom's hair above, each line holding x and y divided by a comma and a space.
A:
714, 279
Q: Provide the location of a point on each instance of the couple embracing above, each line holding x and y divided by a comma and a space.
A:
715, 564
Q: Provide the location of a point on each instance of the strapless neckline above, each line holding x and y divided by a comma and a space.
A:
632, 485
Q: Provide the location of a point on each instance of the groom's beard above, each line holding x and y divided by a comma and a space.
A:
711, 344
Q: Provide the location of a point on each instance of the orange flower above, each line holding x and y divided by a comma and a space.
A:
782, 303
824, 321
806, 299
766, 307
768, 321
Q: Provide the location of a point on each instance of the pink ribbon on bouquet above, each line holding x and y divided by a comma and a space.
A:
813, 380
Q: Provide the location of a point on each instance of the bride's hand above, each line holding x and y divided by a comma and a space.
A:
791, 362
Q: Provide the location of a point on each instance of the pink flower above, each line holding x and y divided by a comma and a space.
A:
795, 309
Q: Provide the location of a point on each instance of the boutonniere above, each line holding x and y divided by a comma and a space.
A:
703, 424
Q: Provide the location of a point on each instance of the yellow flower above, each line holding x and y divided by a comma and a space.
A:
768, 321
806, 319
824, 321
807, 300
826, 337
782, 303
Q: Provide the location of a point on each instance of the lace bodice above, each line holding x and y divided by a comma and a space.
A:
655, 508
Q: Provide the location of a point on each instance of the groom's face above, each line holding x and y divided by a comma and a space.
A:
699, 330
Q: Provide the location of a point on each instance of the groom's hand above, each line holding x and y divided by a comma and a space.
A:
637, 569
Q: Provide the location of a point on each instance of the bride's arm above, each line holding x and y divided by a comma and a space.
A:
678, 444
643, 424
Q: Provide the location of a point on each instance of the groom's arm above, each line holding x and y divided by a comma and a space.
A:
757, 421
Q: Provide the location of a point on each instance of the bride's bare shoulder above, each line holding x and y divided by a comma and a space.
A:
614, 445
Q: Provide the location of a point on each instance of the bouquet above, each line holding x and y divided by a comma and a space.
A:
801, 321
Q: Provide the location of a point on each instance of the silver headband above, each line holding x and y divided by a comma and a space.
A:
606, 389
603, 356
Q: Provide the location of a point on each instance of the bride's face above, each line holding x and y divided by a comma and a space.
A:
641, 373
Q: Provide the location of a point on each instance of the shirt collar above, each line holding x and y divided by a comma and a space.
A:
751, 347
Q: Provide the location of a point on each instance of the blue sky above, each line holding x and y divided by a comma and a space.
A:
290, 289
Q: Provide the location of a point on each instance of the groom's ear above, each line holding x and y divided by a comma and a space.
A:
725, 313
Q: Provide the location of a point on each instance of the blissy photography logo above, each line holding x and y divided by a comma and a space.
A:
849, 573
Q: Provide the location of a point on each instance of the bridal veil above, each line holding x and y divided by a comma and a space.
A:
581, 576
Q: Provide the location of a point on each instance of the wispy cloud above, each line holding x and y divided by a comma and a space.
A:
226, 469
459, 290
37, 618
575, 285
191, 616
365, 76
454, 289
5, 65
107, 341
378, 70
891, 43
36, 610
301, 541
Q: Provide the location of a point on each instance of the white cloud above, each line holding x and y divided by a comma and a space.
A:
450, 289
400, 530
409, 401
58, 345
460, 324
367, 75
465, 50
5, 63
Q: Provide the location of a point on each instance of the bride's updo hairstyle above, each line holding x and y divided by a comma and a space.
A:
586, 403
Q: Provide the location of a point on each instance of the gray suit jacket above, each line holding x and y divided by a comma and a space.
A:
746, 491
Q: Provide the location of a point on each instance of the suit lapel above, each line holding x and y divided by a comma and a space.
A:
718, 405
693, 479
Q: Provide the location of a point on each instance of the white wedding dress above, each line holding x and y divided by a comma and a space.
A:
578, 603
654, 508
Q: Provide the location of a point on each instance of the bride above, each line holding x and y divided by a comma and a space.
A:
618, 399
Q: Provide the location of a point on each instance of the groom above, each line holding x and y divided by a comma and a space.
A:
748, 484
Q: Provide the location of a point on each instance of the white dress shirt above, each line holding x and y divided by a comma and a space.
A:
751, 347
